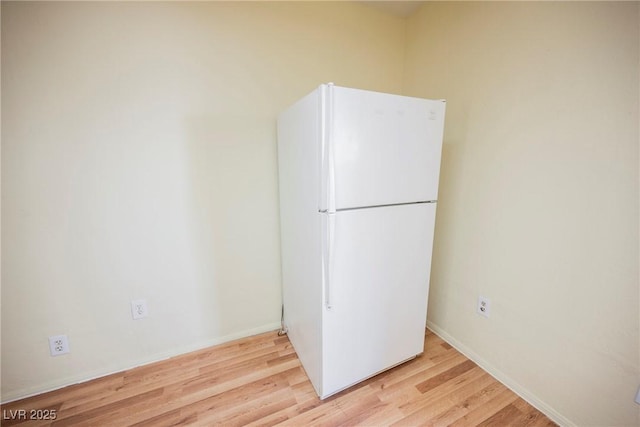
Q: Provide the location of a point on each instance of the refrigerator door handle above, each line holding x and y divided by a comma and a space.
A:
328, 174
331, 197
327, 259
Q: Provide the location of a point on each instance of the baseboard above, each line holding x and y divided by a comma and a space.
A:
114, 369
502, 377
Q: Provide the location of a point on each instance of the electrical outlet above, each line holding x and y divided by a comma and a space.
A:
58, 344
139, 309
484, 306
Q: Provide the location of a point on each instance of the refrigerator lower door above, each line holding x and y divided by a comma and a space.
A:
376, 293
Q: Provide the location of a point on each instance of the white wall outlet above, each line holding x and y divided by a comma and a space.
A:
58, 344
139, 309
484, 306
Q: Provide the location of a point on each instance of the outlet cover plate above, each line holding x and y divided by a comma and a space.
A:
58, 345
139, 309
484, 306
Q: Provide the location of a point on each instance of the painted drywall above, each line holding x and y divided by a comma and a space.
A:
538, 203
139, 161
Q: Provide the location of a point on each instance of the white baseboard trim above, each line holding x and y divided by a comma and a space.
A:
502, 377
92, 375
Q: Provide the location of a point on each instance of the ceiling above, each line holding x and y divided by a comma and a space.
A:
398, 8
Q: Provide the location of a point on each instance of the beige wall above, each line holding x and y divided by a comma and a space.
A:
538, 206
138, 161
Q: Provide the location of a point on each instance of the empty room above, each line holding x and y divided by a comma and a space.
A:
320, 213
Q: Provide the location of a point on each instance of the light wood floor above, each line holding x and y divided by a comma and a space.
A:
259, 381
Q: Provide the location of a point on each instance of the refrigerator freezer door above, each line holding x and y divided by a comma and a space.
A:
380, 149
379, 282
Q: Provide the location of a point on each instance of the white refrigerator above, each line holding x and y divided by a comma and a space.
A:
358, 181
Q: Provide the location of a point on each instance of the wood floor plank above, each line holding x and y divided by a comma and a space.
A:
259, 381
169, 419
507, 416
115, 409
388, 390
427, 409
532, 417
218, 398
469, 403
250, 410
488, 409
437, 400
445, 376
382, 415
